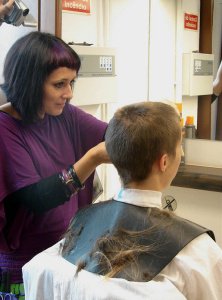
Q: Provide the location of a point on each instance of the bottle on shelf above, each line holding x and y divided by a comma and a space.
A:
190, 129
179, 107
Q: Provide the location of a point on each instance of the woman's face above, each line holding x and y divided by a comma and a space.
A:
57, 90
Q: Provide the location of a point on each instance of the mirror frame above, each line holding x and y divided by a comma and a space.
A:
58, 18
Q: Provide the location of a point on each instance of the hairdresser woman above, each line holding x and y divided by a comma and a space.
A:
48, 148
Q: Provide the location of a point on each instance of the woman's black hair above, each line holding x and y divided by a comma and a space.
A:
28, 63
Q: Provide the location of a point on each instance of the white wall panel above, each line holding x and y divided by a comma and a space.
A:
202, 207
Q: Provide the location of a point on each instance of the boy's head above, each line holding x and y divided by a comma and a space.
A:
141, 135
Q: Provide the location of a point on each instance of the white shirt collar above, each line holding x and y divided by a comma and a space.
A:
144, 198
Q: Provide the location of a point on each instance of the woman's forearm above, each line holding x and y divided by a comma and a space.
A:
51, 192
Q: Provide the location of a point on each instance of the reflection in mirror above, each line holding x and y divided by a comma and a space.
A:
150, 49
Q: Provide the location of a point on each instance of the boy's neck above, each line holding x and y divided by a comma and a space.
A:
147, 184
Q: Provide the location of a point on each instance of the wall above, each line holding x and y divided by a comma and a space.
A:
162, 49
201, 207
107, 24
78, 28
129, 25
187, 41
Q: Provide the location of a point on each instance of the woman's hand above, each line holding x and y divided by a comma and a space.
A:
5, 8
92, 159
99, 154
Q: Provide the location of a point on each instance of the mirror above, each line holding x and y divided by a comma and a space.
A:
149, 49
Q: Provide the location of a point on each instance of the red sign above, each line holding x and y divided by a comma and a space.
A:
82, 6
190, 21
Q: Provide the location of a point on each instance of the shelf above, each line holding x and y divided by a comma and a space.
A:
198, 177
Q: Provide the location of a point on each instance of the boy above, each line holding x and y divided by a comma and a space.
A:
144, 251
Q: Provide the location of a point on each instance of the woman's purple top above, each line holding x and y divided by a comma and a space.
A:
29, 153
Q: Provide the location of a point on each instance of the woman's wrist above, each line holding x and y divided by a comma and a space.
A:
94, 157
70, 179
90, 161
99, 154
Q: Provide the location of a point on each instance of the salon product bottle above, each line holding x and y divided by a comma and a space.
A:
190, 130
179, 106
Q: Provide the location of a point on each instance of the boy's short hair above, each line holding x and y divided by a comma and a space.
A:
138, 135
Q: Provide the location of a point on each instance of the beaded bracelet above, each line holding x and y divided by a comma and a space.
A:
71, 181
75, 178
67, 180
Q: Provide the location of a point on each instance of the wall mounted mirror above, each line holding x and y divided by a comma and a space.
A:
149, 48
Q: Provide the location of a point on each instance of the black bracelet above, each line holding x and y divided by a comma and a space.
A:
71, 181
67, 180
75, 178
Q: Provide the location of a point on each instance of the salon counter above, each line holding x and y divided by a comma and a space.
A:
198, 177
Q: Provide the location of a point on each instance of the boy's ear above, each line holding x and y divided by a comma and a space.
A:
163, 162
